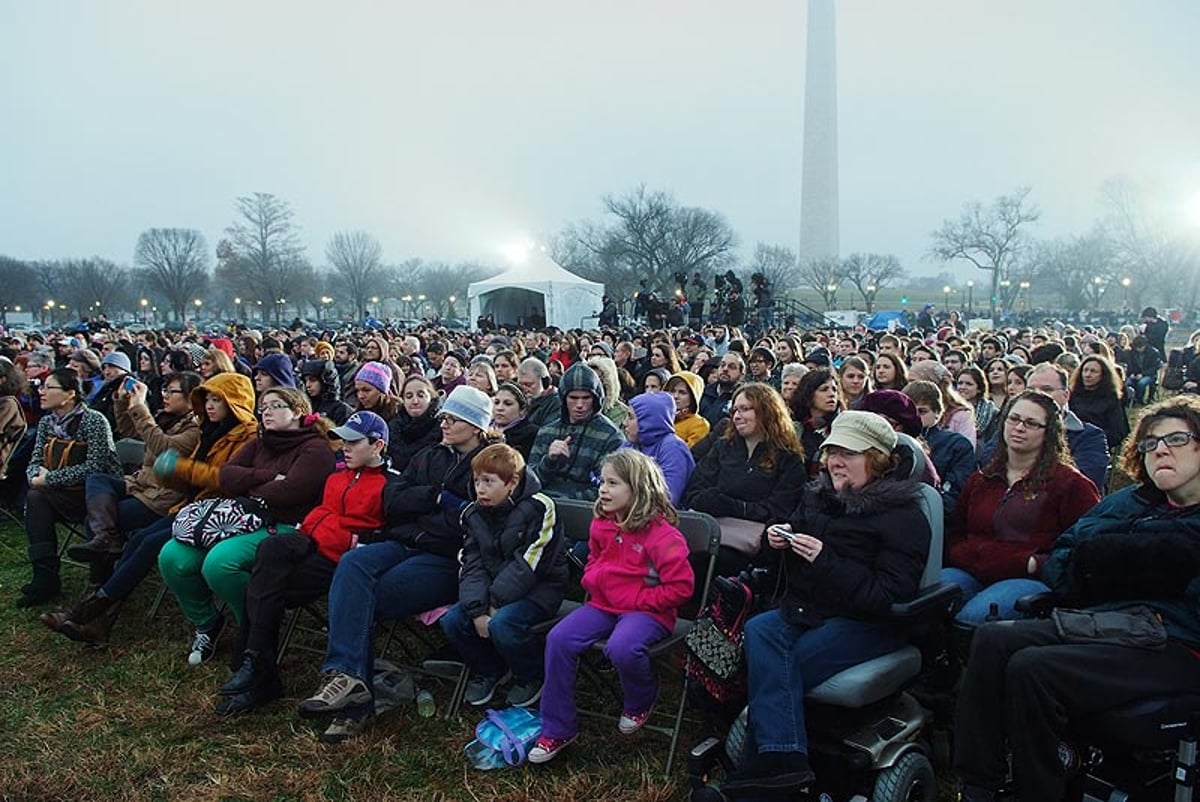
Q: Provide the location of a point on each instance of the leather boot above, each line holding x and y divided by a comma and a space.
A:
107, 541
97, 622
54, 621
264, 686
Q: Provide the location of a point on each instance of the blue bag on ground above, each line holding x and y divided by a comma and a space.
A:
503, 738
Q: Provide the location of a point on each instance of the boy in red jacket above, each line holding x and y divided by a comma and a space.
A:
294, 569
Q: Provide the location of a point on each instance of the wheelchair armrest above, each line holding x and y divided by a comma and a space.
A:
940, 595
1038, 605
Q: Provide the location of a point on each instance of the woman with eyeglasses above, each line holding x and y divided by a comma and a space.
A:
1024, 687
752, 474
224, 405
280, 475
73, 442
1010, 511
407, 568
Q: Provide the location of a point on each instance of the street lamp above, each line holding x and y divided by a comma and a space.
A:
831, 299
420, 305
452, 300
1025, 290
325, 301
375, 302
946, 296
970, 298
407, 299
871, 289
1099, 284
1125, 282
144, 304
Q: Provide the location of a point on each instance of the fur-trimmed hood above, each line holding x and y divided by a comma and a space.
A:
875, 498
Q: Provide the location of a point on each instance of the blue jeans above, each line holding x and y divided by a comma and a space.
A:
1135, 389
511, 642
132, 514
978, 598
381, 581
784, 662
138, 559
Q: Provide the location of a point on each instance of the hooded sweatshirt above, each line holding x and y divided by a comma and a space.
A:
592, 439
692, 427
656, 439
279, 368
201, 472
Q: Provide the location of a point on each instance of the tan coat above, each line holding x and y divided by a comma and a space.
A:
135, 420
12, 429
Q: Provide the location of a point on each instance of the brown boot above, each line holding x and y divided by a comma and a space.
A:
55, 621
107, 541
94, 624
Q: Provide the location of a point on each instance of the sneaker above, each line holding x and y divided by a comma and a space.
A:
525, 694
632, 722
344, 727
545, 749
481, 688
204, 642
337, 692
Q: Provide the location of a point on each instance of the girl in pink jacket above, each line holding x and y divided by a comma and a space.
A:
637, 576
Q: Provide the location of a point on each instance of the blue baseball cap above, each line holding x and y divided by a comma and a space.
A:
360, 425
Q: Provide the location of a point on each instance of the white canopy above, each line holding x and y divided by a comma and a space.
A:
536, 290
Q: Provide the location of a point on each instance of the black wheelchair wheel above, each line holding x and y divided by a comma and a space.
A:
909, 779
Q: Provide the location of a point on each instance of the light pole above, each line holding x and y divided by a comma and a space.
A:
1125, 282
144, 304
198, 303
1004, 285
970, 298
408, 307
831, 296
946, 296
237, 302
1025, 291
325, 301
375, 303
1099, 284
452, 311
420, 305
871, 290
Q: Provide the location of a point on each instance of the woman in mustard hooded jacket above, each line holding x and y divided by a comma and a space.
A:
225, 407
687, 387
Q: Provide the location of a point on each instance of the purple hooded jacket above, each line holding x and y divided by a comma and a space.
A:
656, 439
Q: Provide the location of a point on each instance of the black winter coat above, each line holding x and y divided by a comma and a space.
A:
725, 482
407, 435
512, 552
875, 545
424, 508
1103, 410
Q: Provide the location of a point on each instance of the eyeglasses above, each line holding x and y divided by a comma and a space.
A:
447, 420
1026, 423
46, 387
1173, 440
275, 406
167, 392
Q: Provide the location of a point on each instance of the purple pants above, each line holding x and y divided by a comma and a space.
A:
629, 637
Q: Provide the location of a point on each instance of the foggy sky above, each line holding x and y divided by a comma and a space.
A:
449, 130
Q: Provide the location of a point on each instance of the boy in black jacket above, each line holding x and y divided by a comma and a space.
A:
514, 574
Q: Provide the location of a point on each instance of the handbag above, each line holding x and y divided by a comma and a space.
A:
206, 523
740, 534
716, 662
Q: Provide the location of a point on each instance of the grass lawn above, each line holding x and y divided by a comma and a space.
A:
135, 722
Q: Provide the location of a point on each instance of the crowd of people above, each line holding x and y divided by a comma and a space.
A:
403, 473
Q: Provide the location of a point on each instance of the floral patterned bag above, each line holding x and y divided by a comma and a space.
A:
206, 523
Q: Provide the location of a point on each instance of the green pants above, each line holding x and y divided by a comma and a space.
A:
195, 575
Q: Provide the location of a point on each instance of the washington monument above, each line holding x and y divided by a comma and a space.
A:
819, 170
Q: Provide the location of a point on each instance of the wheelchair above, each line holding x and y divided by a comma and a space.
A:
867, 733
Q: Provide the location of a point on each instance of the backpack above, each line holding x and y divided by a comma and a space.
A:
503, 738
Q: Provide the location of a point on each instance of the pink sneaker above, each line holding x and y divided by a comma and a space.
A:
632, 722
545, 749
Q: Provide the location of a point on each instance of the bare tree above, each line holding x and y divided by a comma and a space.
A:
264, 247
777, 264
991, 238
91, 286
650, 237
824, 276
870, 273
18, 283
440, 282
357, 257
174, 263
1081, 269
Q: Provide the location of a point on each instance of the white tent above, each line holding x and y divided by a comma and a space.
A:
537, 289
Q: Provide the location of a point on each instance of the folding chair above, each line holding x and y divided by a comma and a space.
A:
314, 609
445, 667
130, 453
